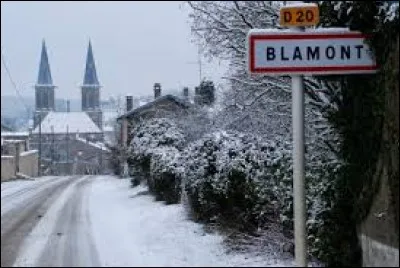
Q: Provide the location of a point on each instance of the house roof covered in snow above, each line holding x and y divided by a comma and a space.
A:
137, 111
14, 134
77, 122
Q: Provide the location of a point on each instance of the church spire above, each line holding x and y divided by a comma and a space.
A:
44, 77
44, 88
90, 71
91, 90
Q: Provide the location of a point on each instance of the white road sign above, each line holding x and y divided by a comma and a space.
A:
312, 52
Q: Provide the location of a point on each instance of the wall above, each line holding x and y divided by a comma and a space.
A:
15, 160
378, 237
28, 163
7, 167
379, 232
10, 147
376, 254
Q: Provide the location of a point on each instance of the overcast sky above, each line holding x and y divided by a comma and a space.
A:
135, 44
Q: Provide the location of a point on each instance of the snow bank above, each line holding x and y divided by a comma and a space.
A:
131, 229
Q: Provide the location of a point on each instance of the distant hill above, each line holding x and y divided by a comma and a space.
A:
12, 106
16, 112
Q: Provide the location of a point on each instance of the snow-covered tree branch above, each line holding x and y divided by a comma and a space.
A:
261, 103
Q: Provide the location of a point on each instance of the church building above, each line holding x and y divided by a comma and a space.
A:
69, 142
87, 123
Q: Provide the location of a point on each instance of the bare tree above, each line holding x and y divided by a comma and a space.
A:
258, 103
221, 29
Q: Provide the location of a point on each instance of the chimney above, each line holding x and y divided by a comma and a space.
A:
68, 107
157, 90
129, 103
186, 93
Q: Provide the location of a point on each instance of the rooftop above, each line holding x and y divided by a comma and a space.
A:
76, 122
13, 134
136, 111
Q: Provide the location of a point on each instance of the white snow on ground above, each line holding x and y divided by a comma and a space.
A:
131, 229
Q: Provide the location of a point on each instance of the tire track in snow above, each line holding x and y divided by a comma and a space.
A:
63, 237
71, 243
17, 222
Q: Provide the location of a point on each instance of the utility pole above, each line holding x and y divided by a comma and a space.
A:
40, 146
68, 148
101, 154
52, 151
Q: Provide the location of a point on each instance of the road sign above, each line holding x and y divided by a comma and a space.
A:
313, 52
301, 15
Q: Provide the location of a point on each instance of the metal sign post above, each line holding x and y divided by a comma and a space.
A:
299, 203
299, 199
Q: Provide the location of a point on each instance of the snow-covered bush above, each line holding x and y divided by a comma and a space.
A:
154, 145
234, 178
153, 133
164, 179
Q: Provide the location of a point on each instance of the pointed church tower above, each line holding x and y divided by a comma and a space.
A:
91, 90
44, 88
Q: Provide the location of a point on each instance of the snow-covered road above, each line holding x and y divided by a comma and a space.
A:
101, 221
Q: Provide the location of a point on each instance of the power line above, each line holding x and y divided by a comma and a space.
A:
12, 81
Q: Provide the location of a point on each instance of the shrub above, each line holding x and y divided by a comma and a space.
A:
236, 179
154, 145
164, 176
232, 177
